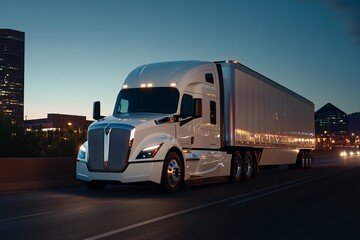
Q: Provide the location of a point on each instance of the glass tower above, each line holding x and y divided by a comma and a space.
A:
12, 45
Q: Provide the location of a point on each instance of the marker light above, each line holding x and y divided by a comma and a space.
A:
173, 84
143, 85
125, 86
149, 85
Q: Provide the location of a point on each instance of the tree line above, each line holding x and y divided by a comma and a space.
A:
16, 142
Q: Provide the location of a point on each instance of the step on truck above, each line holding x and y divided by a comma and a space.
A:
195, 122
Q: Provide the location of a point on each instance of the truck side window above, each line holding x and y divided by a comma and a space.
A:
213, 112
209, 78
187, 105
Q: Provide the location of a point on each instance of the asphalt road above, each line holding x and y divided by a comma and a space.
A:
320, 203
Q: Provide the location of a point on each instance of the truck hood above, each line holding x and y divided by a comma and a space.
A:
134, 119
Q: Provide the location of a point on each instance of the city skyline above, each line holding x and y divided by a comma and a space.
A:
78, 52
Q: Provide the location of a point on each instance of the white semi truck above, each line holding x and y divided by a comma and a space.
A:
194, 122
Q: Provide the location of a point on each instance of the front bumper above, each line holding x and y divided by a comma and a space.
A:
135, 172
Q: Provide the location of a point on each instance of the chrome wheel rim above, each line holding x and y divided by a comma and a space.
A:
248, 167
237, 168
173, 173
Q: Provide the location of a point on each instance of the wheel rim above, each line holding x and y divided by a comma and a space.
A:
173, 173
237, 168
248, 167
303, 160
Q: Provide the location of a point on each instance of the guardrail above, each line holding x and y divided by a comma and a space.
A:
30, 173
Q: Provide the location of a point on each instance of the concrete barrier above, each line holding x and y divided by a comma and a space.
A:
31, 173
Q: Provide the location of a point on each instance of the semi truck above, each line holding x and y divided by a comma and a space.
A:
195, 122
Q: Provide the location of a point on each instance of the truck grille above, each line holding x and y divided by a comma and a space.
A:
109, 147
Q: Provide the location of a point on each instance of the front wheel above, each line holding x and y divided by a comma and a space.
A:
172, 174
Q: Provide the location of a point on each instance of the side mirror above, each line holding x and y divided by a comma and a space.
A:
197, 108
96, 111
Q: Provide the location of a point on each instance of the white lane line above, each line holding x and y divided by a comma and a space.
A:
291, 185
261, 192
26, 216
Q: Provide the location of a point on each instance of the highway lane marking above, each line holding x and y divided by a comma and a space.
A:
248, 196
279, 188
26, 216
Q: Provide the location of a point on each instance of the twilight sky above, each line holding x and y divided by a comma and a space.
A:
80, 51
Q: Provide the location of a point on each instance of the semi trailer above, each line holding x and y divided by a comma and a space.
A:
195, 122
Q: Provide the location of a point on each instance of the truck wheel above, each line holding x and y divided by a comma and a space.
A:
307, 159
95, 185
172, 174
301, 160
310, 159
248, 166
236, 168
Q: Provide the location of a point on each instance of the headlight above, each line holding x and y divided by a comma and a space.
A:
82, 154
343, 154
149, 152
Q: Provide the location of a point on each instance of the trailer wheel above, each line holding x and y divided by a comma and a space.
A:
247, 166
172, 174
236, 167
301, 160
309, 159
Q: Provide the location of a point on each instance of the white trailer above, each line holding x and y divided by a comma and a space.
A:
196, 122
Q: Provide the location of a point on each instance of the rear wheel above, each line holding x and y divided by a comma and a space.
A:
301, 160
172, 175
247, 166
310, 159
236, 168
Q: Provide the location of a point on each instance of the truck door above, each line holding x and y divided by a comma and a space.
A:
185, 129
211, 119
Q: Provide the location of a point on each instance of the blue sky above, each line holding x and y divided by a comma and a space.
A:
80, 51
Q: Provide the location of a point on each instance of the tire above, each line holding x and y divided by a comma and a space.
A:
173, 173
236, 171
307, 159
248, 166
310, 159
301, 160
96, 186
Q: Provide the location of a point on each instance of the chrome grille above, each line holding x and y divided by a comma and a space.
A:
109, 147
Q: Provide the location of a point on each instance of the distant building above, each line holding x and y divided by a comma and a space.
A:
331, 120
331, 127
354, 123
12, 45
58, 122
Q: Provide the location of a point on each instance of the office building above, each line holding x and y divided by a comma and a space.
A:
331, 127
12, 46
58, 122
331, 120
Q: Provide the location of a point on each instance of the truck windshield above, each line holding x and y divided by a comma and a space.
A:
148, 100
